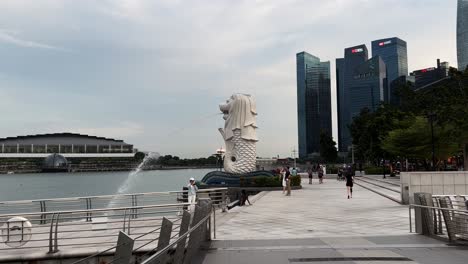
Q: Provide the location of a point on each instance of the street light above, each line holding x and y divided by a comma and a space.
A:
431, 116
294, 151
220, 157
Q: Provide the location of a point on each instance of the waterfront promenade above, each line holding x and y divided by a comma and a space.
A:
318, 224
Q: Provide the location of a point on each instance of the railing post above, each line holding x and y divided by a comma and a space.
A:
423, 219
43, 209
223, 201
180, 249
193, 237
89, 206
134, 203
124, 249
51, 245
163, 241
214, 223
56, 234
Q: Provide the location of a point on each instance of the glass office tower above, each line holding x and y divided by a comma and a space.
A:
395, 56
354, 56
339, 98
368, 86
462, 34
313, 102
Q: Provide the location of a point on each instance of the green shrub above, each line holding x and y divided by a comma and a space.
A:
376, 170
295, 180
332, 169
260, 181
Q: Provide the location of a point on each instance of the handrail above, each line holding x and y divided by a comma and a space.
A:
438, 208
166, 248
110, 195
99, 210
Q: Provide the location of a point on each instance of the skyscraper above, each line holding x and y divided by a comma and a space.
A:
340, 66
368, 86
313, 102
462, 34
354, 56
394, 54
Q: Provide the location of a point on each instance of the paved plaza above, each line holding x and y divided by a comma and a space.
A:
317, 210
318, 224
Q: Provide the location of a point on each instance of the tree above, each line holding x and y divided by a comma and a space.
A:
328, 150
369, 128
415, 141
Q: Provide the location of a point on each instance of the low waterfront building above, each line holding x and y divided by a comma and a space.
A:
66, 144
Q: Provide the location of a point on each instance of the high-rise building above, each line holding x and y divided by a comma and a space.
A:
354, 56
313, 102
395, 56
340, 66
430, 75
462, 34
367, 89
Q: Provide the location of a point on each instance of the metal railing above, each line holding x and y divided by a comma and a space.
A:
217, 195
25, 233
180, 247
444, 216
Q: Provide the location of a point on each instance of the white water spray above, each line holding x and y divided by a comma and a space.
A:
133, 176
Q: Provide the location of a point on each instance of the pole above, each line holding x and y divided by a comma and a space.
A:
432, 139
352, 154
294, 156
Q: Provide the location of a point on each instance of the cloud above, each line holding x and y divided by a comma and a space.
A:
10, 37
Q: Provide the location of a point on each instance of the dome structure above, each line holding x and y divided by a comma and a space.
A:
55, 162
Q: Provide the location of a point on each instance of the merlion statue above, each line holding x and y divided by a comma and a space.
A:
239, 133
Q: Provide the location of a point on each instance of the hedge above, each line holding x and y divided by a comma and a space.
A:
376, 170
267, 181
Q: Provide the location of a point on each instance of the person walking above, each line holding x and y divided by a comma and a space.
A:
349, 181
192, 193
309, 171
283, 179
244, 198
320, 174
287, 177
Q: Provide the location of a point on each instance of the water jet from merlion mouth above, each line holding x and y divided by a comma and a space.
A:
133, 176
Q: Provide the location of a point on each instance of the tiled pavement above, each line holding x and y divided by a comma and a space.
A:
315, 211
319, 225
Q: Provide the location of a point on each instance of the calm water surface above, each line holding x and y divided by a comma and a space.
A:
55, 185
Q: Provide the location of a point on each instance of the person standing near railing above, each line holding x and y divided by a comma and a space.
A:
192, 193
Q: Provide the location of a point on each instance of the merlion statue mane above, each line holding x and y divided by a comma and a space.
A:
239, 133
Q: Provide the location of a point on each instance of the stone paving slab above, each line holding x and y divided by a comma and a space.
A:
318, 224
315, 211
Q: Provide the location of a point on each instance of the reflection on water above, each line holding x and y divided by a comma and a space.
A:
55, 185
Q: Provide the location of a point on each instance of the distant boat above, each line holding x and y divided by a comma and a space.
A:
11, 172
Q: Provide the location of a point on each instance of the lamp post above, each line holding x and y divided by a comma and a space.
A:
220, 157
294, 151
431, 116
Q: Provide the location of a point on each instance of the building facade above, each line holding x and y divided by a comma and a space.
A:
67, 144
394, 54
368, 87
314, 102
340, 66
353, 57
462, 34
430, 75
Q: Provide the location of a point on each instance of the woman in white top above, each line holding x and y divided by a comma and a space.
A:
283, 176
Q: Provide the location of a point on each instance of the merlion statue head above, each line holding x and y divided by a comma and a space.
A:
240, 113
239, 133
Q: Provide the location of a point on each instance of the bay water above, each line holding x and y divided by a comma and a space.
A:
56, 185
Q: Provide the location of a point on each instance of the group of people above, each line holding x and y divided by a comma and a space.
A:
316, 169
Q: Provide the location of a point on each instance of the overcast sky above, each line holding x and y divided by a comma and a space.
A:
153, 72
